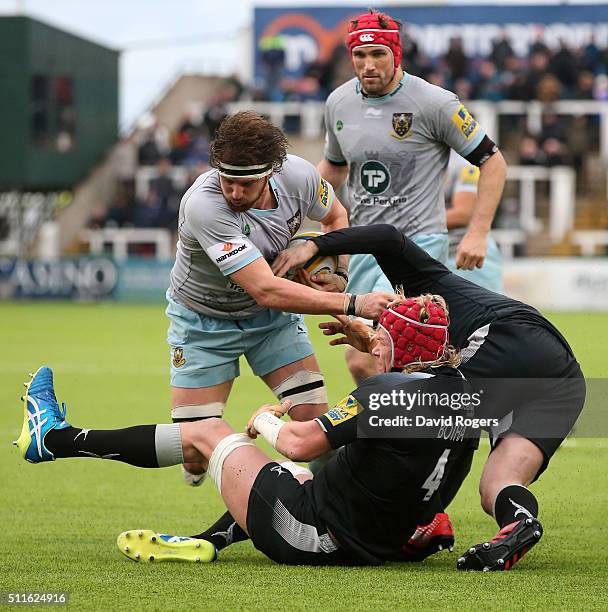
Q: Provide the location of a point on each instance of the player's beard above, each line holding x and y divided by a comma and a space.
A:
245, 205
378, 87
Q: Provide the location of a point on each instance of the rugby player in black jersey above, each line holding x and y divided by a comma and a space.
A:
542, 391
363, 505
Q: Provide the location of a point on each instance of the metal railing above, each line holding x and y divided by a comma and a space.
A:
119, 240
310, 115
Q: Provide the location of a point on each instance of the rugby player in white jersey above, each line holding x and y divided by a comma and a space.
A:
391, 133
461, 197
224, 300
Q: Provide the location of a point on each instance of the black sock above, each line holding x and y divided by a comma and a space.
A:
223, 532
134, 445
514, 503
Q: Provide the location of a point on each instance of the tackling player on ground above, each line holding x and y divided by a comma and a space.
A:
360, 508
539, 400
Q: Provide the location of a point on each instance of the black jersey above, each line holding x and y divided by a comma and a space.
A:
405, 263
374, 492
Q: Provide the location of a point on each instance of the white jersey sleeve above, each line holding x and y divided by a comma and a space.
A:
333, 151
455, 126
219, 233
322, 199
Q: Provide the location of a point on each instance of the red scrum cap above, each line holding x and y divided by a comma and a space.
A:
371, 29
418, 329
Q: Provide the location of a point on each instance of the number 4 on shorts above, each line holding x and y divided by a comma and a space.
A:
431, 484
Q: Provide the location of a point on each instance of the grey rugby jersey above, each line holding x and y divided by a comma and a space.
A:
215, 242
398, 148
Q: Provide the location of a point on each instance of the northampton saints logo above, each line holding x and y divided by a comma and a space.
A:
402, 125
178, 357
293, 223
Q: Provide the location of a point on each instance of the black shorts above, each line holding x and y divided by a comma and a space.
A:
282, 522
544, 389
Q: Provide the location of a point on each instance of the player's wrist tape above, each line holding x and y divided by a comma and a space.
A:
350, 307
268, 426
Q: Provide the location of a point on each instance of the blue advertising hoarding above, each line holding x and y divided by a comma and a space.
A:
136, 280
310, 34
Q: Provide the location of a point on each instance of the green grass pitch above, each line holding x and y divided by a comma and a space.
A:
60, 520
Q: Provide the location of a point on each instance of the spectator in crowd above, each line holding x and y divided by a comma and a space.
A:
584, 86
183, 138
555, 152
148, 212
215, 113
538, 46
489, 85
501, 51
548, 89
538, 68
456, 60
578, 142
273, 59
563, 65
165, 196
553, 126
153, 141
529, 152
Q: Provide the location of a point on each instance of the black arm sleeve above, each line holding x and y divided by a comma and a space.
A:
482, 152
340, 422
403, 262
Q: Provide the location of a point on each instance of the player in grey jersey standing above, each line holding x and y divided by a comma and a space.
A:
224, 300
391, 133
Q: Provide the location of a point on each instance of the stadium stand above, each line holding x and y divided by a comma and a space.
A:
549, 112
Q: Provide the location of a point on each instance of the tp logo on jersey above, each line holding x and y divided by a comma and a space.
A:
402, 125
339, 125
465, 122
375, 177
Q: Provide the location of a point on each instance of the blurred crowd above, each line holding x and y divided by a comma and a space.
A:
544, 74
170, 162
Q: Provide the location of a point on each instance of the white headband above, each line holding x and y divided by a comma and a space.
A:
254, 171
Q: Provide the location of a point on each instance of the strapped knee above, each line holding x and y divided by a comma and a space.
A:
197, 412
221, 453
303, 387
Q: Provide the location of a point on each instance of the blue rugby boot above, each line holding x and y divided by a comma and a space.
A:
41, 414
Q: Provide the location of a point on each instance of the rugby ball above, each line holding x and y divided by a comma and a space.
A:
319, 264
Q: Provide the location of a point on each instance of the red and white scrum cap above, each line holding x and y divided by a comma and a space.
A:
418, 329
375, 29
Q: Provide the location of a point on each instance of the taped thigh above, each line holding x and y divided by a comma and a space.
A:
196, 412
303, 387
220, 454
